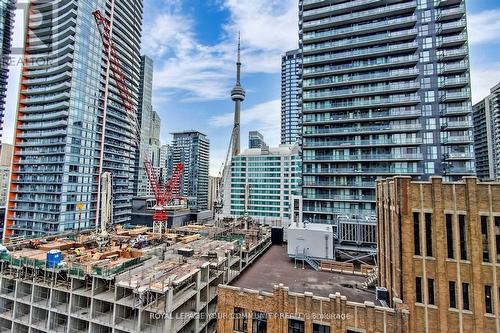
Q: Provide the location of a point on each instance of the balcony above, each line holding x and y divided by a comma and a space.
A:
362, 198
457, 139
363, 171
454, 125
454, 110
454, 96
451, 13
364, 157
458, 171
362, 143
366, 116
363, 129
357, 103
450, 41
321, 183
334, 9
361, 78
453, 82
363, 90
458, 156
46, 107
43, 125
456, 67
360, 41
359, 53
359, 16
451, 27
370, 27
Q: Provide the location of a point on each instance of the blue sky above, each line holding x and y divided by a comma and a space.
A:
193, 44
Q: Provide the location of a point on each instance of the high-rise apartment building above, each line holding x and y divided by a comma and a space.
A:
193, 149
6, 151
439, 252
166, 160
291, 64
385, 92
61, 113
487, 135
150, 124
6, 26
255, 140
263, 182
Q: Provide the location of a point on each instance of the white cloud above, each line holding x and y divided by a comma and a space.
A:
483, 78
191, 69
484, 26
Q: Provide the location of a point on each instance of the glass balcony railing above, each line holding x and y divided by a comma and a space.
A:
457, 139
333, 8
340, 197
326, 183
356, 15
371, 157
447, 96
359, 77
360, 52
457, 124
355, 143
453, 81
381, 128
361, 170
359, 40
458, 52
457, 66
463, 108
313, 106
358, 28
443, 13
452, 25
380, 88
395, 112
444, 41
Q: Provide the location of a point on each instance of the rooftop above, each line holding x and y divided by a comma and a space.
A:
275, 267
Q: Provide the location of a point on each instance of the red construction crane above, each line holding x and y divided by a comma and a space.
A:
164, 194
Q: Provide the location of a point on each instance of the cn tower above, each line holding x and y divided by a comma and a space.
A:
238, 96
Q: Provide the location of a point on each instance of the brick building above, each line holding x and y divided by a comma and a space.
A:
439, 252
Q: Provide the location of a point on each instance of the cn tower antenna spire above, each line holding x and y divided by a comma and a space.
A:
238, 96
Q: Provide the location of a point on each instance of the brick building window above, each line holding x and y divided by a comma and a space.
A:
484, 238
452, 290
317, 328
462, 230
240, 320
488, 302
416, 233
428, 234
295, 326
465, 296
449, 236
418, 289
259, 322
497, 234
430, 291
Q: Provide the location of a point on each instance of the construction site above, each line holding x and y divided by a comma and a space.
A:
136, 281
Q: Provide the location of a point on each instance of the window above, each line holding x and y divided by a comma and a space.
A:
416, 233
317, 328
465, 296
240, 320
488, 303
484, 237
428, 234
295, 326
497, 233
259, 323
452, 290
449, 236
430, 290
463, 237
418, 289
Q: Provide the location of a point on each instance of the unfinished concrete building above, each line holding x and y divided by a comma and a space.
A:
138, 282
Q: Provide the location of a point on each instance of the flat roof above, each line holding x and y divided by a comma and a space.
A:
275, 267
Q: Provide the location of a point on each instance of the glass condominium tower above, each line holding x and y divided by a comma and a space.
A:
386, 91
291, 64
59, 120
6, 26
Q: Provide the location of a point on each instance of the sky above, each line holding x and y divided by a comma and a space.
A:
193, 44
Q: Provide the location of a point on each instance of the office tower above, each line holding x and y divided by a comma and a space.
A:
6, 26
150, 123
255, 140
193, 149
291, 65
166, 160
486, 117
385, 92
439, 249
263, 181
60, 118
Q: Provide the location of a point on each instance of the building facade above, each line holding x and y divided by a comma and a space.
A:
213, 191
285, 311
150, 124
263, 181
5, 163
6, 26
487, 135
255, 140
439, 252
61, 113
192, 148
291, 65
385, 92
